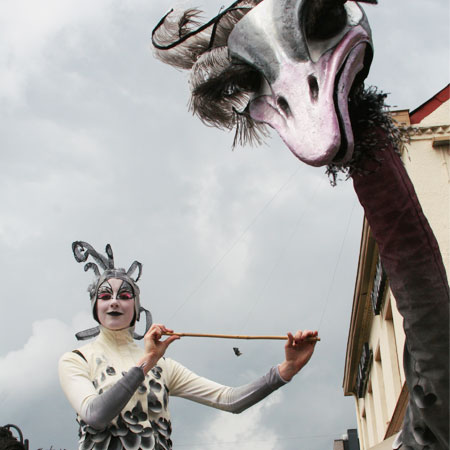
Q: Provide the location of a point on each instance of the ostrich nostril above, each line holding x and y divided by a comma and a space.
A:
284, 105
313, 88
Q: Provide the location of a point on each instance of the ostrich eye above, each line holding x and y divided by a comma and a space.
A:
246, 79
323, 19
229, 89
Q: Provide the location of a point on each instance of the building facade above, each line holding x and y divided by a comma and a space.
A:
373, 372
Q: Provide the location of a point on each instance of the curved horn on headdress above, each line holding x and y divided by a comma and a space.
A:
110, 255
148, 323
82, 250
93, 266
138, 265
87, 334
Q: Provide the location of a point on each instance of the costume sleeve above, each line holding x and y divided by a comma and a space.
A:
97, 410
186, 384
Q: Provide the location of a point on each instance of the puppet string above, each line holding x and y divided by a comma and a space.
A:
327, 297
282, 252
235, 242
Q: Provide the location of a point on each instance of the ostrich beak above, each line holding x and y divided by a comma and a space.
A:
307, 81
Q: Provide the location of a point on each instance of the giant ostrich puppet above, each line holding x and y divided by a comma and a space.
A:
298, 66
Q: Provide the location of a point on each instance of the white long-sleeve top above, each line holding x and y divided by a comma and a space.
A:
120, 408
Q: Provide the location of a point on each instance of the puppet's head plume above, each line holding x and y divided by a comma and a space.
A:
220, 89
82, 251
289, 64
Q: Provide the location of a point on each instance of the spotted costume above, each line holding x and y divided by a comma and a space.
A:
120, 408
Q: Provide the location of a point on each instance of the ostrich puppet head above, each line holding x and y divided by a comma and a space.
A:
291, 64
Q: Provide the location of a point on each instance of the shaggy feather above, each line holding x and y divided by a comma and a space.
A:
248, 131
368, 113
221, 92
177, 25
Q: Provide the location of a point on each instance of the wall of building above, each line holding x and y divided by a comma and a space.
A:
428, 165
386, 379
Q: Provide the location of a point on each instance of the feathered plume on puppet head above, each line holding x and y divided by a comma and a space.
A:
220, 88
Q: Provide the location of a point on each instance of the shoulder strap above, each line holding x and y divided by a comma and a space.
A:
79, 353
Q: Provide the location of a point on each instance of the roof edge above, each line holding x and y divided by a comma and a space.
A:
426, 108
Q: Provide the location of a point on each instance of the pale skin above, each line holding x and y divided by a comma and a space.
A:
115, 311
115, 304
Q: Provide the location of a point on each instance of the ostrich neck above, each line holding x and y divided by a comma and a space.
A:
411, 258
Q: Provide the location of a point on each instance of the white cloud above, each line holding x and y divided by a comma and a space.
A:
30, 373
244, 431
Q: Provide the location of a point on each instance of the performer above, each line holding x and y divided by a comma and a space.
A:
120, 391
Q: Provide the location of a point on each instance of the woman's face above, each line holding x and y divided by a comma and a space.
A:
115, 304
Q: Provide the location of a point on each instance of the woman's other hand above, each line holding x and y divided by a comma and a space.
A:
298, 352
154, 346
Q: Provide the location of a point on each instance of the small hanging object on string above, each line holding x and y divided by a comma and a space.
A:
237, 352
237, 336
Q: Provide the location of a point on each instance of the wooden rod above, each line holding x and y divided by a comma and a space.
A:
236, 336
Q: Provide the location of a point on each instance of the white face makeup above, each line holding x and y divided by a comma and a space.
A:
115, 304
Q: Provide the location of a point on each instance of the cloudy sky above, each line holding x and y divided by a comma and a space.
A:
97, 145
